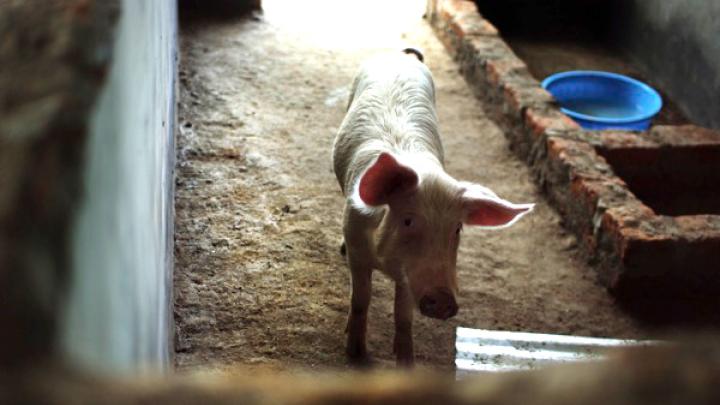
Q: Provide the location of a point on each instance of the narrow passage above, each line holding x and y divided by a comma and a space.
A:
259, 279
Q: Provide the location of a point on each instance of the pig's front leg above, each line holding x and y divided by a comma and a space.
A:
359, 303
360, 257
403, 343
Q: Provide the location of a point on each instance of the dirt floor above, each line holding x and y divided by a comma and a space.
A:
259, 279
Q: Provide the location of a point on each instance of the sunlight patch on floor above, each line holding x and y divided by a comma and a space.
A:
479, 350
347, 23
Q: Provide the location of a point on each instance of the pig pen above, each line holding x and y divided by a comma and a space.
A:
558, 35
644, 204
259, 280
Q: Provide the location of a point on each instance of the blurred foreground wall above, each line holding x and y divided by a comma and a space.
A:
86, 181
119, 314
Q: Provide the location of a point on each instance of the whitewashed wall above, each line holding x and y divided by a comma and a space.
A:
119, 314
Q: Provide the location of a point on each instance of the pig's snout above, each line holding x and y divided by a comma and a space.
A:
439, 303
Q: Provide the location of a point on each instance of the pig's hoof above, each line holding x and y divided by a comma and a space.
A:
404, 354
405, 362
360, 361
343, 249
358, 356
356, 350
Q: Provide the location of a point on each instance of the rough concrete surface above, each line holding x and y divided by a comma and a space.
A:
259, 279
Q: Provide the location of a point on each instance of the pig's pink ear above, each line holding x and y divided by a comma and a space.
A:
493, 212
385, 177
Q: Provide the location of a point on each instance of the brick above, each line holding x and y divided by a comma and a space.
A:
632, 228
624, 140
486, 48
471, 24
695, 227
474, 53
666, 261
593, 186
499, 70
449, 42
684, 135
451, 9
625, 219
431, 10
586, 192
517, 96
575, 158
678, 254
558, 147
540, 121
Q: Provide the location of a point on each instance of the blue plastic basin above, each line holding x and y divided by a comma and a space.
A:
604, 100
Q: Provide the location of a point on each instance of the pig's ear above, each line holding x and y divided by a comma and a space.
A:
384, 178
491, 211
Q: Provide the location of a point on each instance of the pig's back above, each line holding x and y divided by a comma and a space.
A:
391, 108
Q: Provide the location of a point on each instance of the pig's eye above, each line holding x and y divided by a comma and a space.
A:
458, 229
408, 222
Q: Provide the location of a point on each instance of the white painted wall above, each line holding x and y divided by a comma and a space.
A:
119, 314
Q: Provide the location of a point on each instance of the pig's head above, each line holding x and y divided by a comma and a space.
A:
419, 235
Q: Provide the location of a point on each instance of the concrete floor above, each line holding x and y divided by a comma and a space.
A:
259, 280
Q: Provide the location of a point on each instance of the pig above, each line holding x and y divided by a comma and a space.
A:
403, 214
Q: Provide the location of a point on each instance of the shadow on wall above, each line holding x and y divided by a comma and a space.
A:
220, 9
561, 19
676, 41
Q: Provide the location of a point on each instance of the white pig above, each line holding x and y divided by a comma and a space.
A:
404, 213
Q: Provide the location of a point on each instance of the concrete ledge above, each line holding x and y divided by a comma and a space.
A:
600, 182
